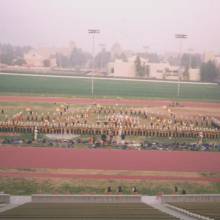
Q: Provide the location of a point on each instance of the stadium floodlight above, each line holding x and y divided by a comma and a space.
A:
180, 37
93, 32
102, 46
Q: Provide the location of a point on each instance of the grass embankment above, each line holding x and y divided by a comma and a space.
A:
47, 86
21, 186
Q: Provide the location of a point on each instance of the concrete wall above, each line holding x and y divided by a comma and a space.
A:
190, 198
39, 198
4, 198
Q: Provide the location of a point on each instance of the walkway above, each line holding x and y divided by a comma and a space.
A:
156, 203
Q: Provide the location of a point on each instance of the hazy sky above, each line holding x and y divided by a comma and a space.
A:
132, 23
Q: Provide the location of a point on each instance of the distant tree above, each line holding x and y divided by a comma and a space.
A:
10, 54
209, 72
102, 59
147, 71
173, 60
153, 58
19, 62
123, 57
78, 58
185, 60
191, 61
139, 68
186, 74
196, 61
62, 61
46, 63
7, 54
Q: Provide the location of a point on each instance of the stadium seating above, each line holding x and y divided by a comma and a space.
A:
91, 211
208, 209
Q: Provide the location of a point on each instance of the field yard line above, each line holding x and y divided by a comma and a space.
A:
104, 101
106, 78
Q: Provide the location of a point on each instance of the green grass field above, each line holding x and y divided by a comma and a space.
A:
25, 186
36, 85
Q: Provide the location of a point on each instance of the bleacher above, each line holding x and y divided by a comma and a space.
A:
91, 211
207, 209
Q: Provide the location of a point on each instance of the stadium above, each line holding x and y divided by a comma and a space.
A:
101, 149
109, 110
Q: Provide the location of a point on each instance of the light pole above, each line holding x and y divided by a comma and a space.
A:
190, 57
180, 37
93, 32
102, 46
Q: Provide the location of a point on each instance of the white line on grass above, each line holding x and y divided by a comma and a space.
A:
105, 78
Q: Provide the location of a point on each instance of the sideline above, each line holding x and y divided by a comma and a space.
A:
106, 78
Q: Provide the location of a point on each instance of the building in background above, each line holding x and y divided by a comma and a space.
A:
163, 70
120, 68
124, 68
42, 57
217, 61
208, 56
194, 74
160, 70
46, 56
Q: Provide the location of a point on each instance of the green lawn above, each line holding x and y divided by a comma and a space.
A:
32, 85
25, 186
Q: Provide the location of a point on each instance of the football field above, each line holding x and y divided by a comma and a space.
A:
106, 88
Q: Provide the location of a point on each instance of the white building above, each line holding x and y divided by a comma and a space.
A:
194, 74
121, 68
163, 71
217, 61
40, 58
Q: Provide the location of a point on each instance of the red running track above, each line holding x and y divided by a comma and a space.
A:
29, 157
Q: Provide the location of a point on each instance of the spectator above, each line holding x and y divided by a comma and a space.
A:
134, 189
119, 189
109, 189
